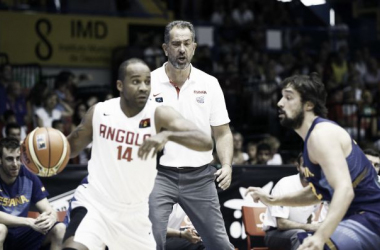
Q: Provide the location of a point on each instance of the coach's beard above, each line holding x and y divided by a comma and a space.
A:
178, 65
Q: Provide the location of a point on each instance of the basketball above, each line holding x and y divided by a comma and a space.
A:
45, 152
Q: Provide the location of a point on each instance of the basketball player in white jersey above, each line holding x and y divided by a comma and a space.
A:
124, 131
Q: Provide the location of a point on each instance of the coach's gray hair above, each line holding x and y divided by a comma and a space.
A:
122, 72
179, 24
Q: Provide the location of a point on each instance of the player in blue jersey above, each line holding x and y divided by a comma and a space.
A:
337, 170
18, 189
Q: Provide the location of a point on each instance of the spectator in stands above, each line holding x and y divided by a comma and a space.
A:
79, 112
13, 130
340, 32
5, 81
34, 101
58, 125
46, 114
275, 145
242, 15
10, 118
350, 115
339, 67
374, 157
92, 100
108, 96
263, 99
178, 237
218, 15
239, 157
264, 153
19, 189
252, 153
84, 156
282, 223
360, 64
16, 101
153, 54
367, 109
6, 75
63, 87
372, 76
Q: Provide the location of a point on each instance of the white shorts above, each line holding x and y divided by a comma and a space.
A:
124, 229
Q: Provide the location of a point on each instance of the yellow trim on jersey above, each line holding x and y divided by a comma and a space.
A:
331, 245
359, 178
319, 196
308, 173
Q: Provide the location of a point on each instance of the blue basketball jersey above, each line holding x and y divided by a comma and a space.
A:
363, 177
15, 199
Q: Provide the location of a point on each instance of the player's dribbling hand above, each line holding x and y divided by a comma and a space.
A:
312, 243
156, 142
258, 194
224, 176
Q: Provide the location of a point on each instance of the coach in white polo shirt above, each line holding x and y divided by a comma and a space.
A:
184, 176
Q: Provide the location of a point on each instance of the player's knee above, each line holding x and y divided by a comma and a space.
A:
58, 231
3, 233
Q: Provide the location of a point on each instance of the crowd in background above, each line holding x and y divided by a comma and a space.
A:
249, 73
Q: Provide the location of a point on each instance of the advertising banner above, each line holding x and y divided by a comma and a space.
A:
64, 40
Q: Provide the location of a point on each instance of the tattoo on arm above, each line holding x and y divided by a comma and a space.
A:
75, 133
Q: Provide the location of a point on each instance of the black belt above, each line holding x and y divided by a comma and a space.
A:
181, 169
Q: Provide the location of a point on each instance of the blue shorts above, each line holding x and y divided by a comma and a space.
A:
357, 232
21, 238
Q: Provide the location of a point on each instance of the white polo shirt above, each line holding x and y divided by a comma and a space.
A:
201, 101
284, 186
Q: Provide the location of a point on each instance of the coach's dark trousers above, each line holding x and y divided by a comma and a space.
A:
194, 189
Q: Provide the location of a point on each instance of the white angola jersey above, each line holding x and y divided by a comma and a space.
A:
116, 173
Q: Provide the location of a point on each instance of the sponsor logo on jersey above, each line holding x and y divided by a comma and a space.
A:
154, 95
12, 202
144, 123
200, 99
159, 99
121, 135
200, 92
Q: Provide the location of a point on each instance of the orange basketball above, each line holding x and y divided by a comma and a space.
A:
45, 152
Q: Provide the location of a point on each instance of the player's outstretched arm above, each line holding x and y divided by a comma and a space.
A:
303, 197
180, 130
82, 134
173, 127
285, 224
328, 146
